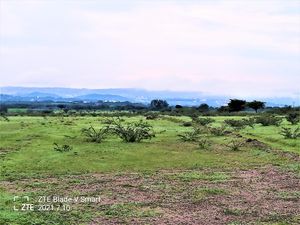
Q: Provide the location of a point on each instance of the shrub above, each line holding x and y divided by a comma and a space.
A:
293, 118
131, 132
4, 117
62, 148
268, 120
94, 135
237, 124
203, 143
203, 121
249, 122
151, 116
235, 145
219, 131
187, 124
193, 135
289, 133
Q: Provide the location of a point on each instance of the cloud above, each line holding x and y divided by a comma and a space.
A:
222, 47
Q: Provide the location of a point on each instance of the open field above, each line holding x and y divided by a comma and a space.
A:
159, 181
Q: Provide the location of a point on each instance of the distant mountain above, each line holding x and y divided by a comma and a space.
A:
124, 94
101, 97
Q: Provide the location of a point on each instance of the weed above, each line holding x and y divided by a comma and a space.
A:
203, 143
219, 131
94, 135
289, 133
293, 118
193, 135
62, 148
131, 132
235, 145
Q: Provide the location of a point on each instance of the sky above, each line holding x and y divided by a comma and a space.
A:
242, 48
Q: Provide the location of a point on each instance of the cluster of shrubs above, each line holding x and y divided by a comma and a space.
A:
128, 132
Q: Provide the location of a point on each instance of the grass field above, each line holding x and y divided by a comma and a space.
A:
152, 182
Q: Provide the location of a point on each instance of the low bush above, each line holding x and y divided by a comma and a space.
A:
187, 124
219, 131
151, 116
236, 124
203, 143
235, 145
268, 120
193, 135
203, 121
94, 135
62, 148
131, 132
249, 122
289, 133
293, 118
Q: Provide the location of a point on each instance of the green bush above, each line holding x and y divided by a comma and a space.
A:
249, 122
237, 124
131, 132
293, 118
268, 120
289, 133
151, 116
94, 135
203, 121
203, 143
187, 124
219, 131
190, 135
235, 145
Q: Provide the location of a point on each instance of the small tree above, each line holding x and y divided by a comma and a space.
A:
256, 105
203, 107
178, 107
293, 118
131, 132
159, 104
236, 105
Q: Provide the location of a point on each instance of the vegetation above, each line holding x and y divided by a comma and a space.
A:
62, 148
289, 133
203, 121
268, 120
158, 104
256, 105
235, 145
210, 156
237, 124
94, 135
236, 105
131, 132
293, 117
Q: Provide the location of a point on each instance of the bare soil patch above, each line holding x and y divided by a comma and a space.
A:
261, 195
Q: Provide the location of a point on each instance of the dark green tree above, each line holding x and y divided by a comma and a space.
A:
236, 105
256, 105
178, 107
203, 107
158, 104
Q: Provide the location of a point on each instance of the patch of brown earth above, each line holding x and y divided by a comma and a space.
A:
247, 197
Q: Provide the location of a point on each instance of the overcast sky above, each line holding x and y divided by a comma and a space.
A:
242, 48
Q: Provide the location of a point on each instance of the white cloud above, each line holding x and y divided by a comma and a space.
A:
232, 47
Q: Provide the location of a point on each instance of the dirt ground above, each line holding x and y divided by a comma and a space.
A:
265, 195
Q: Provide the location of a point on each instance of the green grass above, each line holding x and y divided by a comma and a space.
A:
202, 193
26, 151
31, 140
